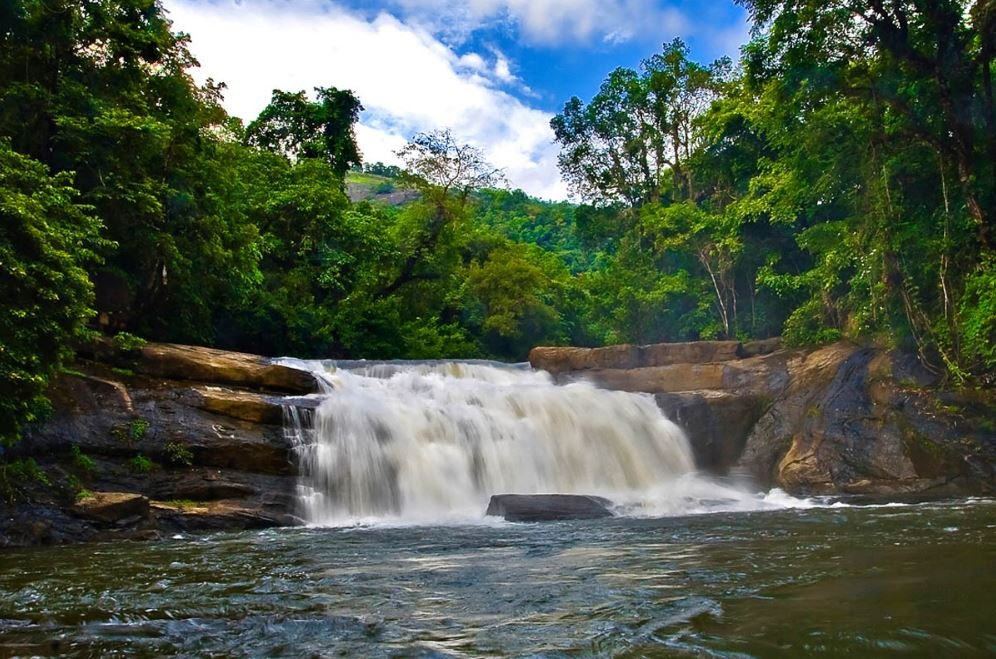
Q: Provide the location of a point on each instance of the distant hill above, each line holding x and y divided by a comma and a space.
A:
362, 186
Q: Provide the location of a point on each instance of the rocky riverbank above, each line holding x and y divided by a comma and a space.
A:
841, 419
163, 439
158, 440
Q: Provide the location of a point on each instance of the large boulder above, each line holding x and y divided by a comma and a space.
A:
180, 362
557, 360
835, 419
205, 449
548, 507
858, 424
212, 425
112, 507
717, 423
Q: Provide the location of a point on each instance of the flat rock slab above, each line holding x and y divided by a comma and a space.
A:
168, 360
112, 507
548, 507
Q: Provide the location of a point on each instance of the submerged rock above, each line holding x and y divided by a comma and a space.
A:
548, 507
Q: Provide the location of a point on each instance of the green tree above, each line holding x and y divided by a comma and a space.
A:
521, 291
299, 128
637, 130
928, 65
47, 239
102, 88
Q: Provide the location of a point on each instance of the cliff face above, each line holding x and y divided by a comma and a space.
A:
838, 419
160, 440
169, 439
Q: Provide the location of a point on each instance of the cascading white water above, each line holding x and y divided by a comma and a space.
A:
434, 441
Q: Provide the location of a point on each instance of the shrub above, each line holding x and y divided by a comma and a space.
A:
82, 461
179, 454
141, 464
128, 342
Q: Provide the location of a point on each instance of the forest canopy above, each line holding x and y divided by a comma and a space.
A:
836, 181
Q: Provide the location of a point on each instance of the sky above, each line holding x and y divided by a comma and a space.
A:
494, 72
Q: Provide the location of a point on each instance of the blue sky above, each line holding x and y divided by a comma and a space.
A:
493, 71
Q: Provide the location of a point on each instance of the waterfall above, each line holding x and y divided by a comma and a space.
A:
431, 441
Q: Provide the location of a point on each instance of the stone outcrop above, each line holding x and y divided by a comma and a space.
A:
162, 439
548, 507
112, 507
626, 357
837, 419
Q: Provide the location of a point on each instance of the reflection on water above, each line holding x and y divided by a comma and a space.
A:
859, 581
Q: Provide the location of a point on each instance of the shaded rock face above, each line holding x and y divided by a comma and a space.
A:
548, 507
172, 438
859, 429
717, 423
837, 419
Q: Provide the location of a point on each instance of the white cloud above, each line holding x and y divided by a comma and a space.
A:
549, 21
407, 80
502, 70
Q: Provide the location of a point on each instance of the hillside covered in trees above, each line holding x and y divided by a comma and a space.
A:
837, 181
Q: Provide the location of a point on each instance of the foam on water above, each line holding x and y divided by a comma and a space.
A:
430, 442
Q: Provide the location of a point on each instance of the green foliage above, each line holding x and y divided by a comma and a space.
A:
132, 432
16, 475
978, 318
81, 461
520, 291
46, 240
179, 454
298, 128
637, 130
384, 187
137, 429
128, 342
140, 464
839, 184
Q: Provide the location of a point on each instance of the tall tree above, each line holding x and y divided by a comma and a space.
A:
927, 63
637, 131
102, 88
298, 128
445, 172
47, 239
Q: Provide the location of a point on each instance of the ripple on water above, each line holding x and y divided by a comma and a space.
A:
760, 584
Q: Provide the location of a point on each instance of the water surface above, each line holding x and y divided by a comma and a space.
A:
915, 580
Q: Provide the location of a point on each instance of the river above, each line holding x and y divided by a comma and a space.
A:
397, 464
866, 581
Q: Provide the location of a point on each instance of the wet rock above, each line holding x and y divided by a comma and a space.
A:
112, 507
693, 352
219, 427
559, 360
221, 515
205, 484
830, 420
759, 347
245, 405
182, 362
717, 423
662, 379
216, 449
548, 507
29, 524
